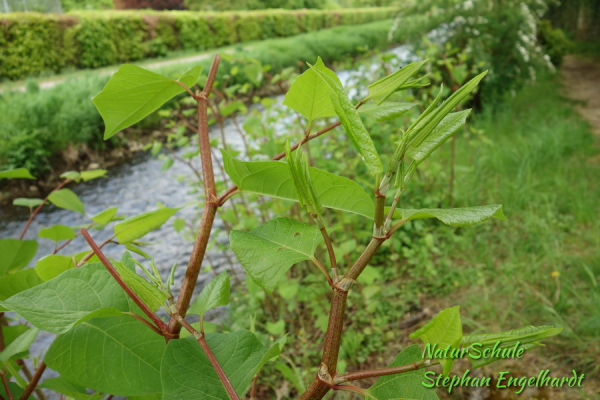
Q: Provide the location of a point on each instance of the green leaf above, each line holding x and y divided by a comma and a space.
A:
116, 355
528, 337
16, 173
57, 233
133, 93
385, 111
23, 202
17, 282
19, 345
273, 178
215, 294
16, 254
105, 216
65, 198
71, 298
406, 386
53, 265
93, 174
445, 129
140, 225
423, 128
64, 386
72, 175
269, 251
445, 329
152, 296
309, 96
456, 216
297, 162
239, 353
384, 88
351, 121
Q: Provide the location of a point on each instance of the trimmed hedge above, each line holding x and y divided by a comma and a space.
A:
34, 43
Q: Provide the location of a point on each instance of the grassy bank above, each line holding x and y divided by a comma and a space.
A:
38, 125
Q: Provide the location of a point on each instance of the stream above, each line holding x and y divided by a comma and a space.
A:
136, 187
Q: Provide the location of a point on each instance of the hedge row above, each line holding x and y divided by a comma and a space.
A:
34, 43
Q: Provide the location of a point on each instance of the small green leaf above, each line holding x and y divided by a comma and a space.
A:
273, 178
65, 198
72, 175
309, 96
117, 355
269, 251
445, 129
133, 93
27, 202
445, 329
16, 173
105, 216
53, 265
57, 233
456, 216
71, 298
239, 353
152, 296
405, 386
297, 162
528, 337
215, 294
276, 328
385, 111
93, 174
16, 254
384, 88
19, 345
140, 225
17, 282
351, 121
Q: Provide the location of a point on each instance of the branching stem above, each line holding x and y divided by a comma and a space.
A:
37, 210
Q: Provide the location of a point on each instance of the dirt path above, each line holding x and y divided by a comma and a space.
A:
581, 78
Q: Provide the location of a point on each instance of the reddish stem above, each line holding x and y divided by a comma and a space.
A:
6, 388
37, 210
34, 381
210, 208
153, 317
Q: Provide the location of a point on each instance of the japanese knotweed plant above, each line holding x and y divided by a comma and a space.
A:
110, 338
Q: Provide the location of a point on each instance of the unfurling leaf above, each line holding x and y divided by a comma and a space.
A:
385, 111
297, 162
151, 295
269, 251
445, 329
350, 120
65, 198
215, 294
456, 216
273, 178
384, 88
140, 225
445, 129
133, 93
528, 337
